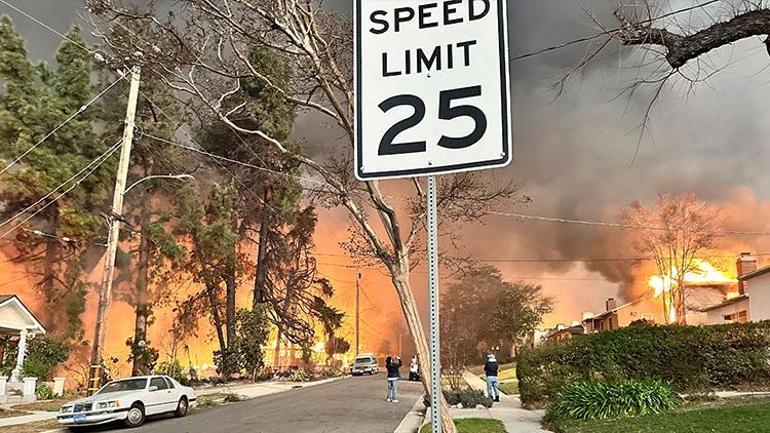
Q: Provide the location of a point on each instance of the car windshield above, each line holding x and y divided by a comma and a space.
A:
364, 360
124, 385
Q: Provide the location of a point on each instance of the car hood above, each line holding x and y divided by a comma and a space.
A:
104, 397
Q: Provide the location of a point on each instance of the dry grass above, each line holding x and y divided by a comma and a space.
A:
10, 413
46, 406
35, 427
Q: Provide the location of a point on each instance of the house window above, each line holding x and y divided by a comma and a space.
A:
739, 317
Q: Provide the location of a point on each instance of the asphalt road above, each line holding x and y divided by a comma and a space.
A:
352, 405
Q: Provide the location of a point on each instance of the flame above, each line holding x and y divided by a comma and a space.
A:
702, 273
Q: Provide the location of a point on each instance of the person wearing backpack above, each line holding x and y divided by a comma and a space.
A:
393, 364
493, 384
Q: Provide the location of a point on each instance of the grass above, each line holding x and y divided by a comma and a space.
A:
473, 425
35, 427
10, 413
728, 417
47, 405
510, 388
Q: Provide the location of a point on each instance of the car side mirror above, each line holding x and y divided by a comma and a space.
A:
153, 388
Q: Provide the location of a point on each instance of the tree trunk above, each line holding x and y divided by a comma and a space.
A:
277, 351
48, 283
141, 303
681, 305
211, 291
400, 280
230, 308
259, 279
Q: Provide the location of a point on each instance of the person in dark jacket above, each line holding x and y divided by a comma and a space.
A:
392, 364
493, 385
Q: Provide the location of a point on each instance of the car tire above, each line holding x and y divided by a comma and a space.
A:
135, 416
181, 408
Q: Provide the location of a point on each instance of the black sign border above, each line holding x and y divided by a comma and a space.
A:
416, 172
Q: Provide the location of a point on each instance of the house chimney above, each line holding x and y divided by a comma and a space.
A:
611, 304
745, 265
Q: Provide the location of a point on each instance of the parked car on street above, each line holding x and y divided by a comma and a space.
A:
129, 401
365, 363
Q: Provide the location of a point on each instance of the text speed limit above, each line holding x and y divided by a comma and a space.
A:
432, 87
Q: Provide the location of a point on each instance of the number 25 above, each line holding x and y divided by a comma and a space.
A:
445, 112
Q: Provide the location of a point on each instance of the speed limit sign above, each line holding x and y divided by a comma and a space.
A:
431, 80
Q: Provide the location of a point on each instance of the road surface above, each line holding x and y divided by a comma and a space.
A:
352, 405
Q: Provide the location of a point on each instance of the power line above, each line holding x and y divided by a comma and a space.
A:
46, 26
88, 169
61, 125
231, 160
615, 225
608, 32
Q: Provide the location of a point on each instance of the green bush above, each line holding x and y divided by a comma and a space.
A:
172, 369
469, 398
609, 400
43, 355
688, 358
44, 392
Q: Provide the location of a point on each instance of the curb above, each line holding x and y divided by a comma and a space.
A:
414, 419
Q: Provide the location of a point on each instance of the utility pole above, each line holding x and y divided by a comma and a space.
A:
97, 352
358, 309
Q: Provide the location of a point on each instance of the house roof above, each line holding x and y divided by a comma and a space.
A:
13, 299
614, 310
730, 301
756, 273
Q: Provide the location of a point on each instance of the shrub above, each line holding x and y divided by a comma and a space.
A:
468, 397
231, 398
172, 369
472, 398
608, 400
688, 358
44, 392
43, 355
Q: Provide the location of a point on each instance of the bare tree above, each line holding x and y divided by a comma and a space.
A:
201, 51
674, 43
674, 233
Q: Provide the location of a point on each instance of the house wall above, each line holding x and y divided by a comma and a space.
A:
649, 309
12, 317
717, 315
758, 289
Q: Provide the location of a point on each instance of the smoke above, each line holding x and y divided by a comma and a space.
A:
576, 154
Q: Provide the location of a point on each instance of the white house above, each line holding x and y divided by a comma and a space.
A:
17, 321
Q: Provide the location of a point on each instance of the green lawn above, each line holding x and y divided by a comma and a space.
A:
473, 425
746, 417
510, 388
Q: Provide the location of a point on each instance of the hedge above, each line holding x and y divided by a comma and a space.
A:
687, 358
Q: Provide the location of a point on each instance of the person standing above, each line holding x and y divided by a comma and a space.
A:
392, 365
414, 369
493, 384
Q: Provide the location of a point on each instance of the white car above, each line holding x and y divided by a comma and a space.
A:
365, 363
129, 400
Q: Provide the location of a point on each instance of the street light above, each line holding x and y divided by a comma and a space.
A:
160, 176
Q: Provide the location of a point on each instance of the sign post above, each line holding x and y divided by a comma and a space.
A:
433, 295
432, 97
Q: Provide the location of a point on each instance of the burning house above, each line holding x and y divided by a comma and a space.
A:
711, 297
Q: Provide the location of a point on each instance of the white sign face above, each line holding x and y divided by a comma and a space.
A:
431, 80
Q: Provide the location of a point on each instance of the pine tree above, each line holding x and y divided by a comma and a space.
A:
37, 98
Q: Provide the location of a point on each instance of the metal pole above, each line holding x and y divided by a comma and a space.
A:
435, 358
97, 352
358, 309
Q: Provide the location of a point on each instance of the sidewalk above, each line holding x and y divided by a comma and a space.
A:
244, 391
26, 419
515, 418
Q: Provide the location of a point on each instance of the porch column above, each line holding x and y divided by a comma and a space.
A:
16, 374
